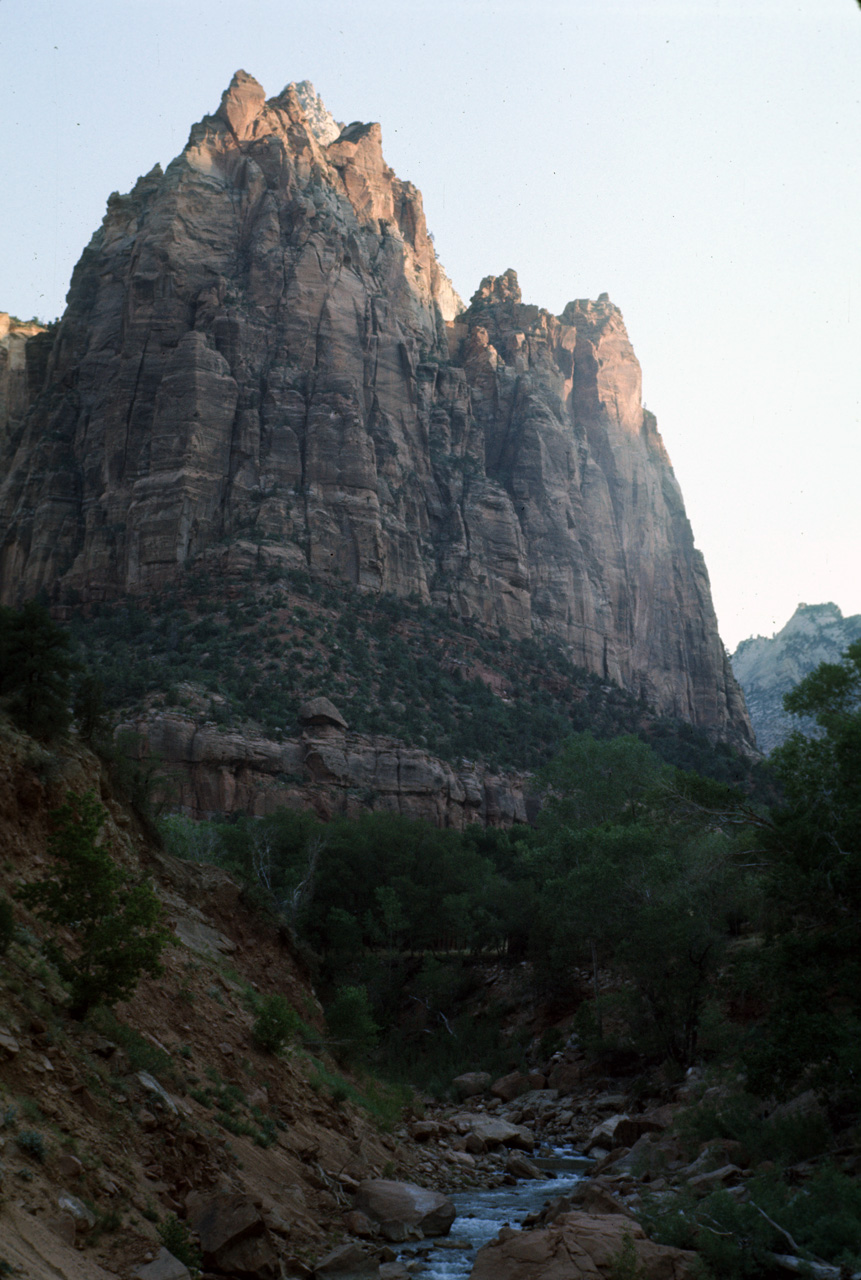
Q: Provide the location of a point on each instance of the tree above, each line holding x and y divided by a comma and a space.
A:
90, 711
351, 1023
114, 920
595, 780
813, 962
647, 893
35, 670
276, 1023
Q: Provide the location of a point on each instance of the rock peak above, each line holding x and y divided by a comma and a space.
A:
502, 288
241, 103
323, 124
497, 468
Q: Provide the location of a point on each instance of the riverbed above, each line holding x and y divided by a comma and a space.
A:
480, 1214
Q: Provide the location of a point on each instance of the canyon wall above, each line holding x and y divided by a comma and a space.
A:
263, 363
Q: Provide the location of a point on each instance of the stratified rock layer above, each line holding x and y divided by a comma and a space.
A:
768, 667
262, 352
213, 772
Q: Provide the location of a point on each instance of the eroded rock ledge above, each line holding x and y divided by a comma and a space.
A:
325, 768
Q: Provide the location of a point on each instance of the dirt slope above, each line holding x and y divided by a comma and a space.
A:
135, 1113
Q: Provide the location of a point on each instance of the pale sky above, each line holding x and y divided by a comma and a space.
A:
697, 159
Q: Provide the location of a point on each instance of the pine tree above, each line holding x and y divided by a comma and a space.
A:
35, 670
114, 920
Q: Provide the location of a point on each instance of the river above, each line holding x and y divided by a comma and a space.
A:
480, 1214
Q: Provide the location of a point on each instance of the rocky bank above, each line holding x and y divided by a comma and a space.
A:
263, 363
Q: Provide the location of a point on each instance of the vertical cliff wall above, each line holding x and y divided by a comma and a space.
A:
261, 357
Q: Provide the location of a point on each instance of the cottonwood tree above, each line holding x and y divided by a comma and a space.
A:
650, 896
812, 964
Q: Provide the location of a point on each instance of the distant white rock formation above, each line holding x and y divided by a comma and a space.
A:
767, 668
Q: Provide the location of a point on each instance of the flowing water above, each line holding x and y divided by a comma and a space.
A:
480, 1214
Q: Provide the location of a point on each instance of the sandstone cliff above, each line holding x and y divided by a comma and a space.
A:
262, 357
213, 772
767, 668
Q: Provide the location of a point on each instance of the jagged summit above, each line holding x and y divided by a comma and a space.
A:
321, 120
263, 366
504, 288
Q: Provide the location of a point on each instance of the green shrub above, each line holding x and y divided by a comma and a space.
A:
736, 1116
736, 1238
115, 921
176, 1237
276, 1023
624, 1264
7, 925
32, 1143
351, 1024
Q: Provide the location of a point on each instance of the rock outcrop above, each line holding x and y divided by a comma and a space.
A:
767, 668
260, 348
215, 772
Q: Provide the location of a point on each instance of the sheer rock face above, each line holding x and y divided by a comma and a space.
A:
261, 349
22, 369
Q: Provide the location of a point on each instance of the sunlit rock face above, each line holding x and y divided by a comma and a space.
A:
262, 361
22, 368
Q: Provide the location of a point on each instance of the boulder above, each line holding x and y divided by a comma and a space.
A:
346, 1262
616, 1131
593, 1197
424, 1130
83, 1216
359, 1224
537, 1103
391, 1202
471, 1084
10, 1048
646, 1156
232, 1233
163, 1267
519, 1167
578, 1246
320, 711
803, 1104
565, 1076
499, 1133
393, 1271
703, 1183
510, 1087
